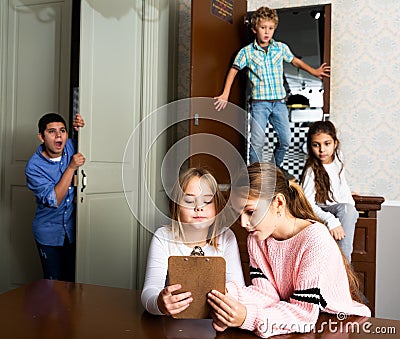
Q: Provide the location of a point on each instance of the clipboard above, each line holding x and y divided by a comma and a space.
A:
199, 275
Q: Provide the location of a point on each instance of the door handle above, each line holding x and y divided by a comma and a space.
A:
196, 119
84, 180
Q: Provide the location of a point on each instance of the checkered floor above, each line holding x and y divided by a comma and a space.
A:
295, 157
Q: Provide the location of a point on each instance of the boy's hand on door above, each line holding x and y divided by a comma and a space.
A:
220, 102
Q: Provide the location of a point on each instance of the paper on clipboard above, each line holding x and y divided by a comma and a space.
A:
199, 275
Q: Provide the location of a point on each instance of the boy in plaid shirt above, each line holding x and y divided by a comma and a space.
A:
264, 61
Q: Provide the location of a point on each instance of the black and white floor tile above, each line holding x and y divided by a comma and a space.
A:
296, 156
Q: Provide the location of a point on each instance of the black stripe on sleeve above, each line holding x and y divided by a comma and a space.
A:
310, 295
256, 273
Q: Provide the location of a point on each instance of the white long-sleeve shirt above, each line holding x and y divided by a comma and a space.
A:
340, 189
162, 247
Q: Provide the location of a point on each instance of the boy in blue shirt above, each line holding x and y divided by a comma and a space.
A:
264, 61
49, 174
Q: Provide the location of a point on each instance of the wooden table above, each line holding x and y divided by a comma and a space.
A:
61, 310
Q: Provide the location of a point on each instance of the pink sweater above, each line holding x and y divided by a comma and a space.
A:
292, 281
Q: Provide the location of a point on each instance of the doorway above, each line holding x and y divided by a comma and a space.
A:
306, 30
75, 48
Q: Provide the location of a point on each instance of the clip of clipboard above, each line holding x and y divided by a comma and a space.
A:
199, 275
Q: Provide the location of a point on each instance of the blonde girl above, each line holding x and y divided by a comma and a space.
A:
198, 223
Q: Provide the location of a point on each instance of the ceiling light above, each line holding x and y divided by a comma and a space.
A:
315, 14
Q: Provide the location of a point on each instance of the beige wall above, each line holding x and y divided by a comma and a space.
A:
365, 89
365, 86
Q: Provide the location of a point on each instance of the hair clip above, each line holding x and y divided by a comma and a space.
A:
197, 251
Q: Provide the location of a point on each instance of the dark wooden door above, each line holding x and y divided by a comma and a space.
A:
327, 58
218, 31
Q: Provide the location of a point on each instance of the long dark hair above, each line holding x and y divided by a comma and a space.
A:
321, 178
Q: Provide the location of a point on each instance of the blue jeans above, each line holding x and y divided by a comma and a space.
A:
263, 112
348, 215
58, 262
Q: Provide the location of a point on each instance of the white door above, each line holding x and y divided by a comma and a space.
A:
123, 77
34, 79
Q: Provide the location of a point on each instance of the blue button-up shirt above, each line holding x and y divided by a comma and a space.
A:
51, 222
265, 70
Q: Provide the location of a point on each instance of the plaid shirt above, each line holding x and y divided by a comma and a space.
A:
265, 70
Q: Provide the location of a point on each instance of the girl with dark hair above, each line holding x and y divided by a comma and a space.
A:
325, 186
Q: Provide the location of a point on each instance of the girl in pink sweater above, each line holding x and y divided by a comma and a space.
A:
296, 268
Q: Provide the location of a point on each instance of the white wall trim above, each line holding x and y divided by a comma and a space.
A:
391, 203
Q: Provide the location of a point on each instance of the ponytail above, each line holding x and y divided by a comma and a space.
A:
300, 208
298, 203
354, 284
